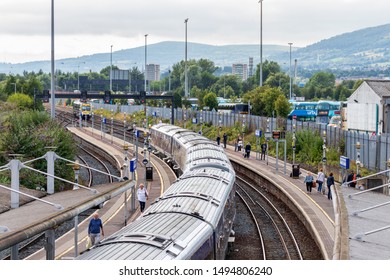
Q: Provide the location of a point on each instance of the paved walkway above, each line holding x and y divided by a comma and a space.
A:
375, 246
318, 210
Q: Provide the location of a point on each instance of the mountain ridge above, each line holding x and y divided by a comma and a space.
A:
363, 48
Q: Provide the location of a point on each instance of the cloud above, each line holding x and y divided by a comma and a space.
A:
92, 25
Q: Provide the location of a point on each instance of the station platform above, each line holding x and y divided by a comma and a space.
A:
321, 212
18, 221
318, 209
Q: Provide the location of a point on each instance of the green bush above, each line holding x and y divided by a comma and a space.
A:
23, 101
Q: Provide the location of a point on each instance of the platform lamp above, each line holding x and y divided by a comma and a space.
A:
324, 152
358, 146
92, 119
201, 121
220, 122
101, 126
294, 142
243, 131
267, 138
124, 128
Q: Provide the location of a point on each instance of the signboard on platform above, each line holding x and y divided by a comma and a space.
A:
344, 162
133, 165
258, 133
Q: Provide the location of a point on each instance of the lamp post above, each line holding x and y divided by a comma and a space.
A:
111, 70
185, 63
289, 72
112, 129
78, 73
267, 138
101, 126
92, 118
261, 44
220, 123
201, 121
52, 105
146, 53
243, 131
324, 152
124, 129
358, 146
293, 140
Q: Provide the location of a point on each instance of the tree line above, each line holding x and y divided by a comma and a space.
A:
204, 84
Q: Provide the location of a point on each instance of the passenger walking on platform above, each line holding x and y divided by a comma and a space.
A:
309, 182
263, 151
143, 195
224, 140
330, 182
247, 150
94, 227
320, 180
351, 179
218, 140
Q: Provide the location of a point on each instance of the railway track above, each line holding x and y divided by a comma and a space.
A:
276, 238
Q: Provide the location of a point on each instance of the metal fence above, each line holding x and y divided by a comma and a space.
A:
374, 150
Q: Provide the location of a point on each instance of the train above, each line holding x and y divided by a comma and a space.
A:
81, 107
193, 219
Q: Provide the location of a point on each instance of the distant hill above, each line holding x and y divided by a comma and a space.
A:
164, 53
365, 48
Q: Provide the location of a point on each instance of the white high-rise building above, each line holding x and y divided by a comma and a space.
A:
153, 72
240, 70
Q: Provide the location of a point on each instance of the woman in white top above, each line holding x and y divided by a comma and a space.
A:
143, 195
320, 180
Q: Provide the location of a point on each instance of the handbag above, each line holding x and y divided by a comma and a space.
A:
88, 245
313, 184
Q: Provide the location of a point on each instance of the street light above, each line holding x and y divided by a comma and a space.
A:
289, 72
124, 129
146, 50
358, 146
52, 105
261, 43
243, 130
267, 138
294, 139
201, 121
111, 70
78, 75
185, 64
324, 152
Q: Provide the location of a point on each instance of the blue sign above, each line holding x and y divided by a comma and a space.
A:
258, 133
104, 120
136, 133
133, 165
344, 162
194, 120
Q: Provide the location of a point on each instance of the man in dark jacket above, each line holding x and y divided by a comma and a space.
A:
247, 150
224, 140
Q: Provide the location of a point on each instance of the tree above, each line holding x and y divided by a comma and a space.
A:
210, 100
269, 67
106, 71
282, 106
22, 101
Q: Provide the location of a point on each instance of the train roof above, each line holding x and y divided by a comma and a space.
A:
154, 237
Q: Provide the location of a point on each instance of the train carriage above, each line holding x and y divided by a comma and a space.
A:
82, 108
193, 219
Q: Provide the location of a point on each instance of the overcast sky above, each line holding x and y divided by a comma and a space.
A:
91, 26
